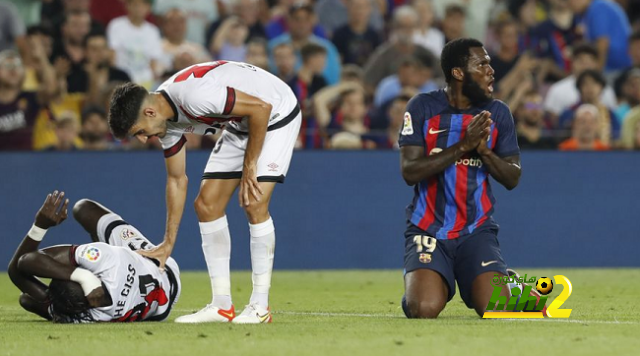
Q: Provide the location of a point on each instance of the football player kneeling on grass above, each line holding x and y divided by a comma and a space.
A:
100, 281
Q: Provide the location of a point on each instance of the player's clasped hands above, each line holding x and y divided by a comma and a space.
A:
477, 131
53, 210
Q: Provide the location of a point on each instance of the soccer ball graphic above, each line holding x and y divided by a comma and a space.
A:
544, 285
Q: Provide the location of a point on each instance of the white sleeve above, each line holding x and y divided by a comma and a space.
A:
96, 257
609, 97
551, 103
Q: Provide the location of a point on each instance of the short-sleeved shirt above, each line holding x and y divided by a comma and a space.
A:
607, 19
138, 289
203, 97
17, 119
135, 47
458, 200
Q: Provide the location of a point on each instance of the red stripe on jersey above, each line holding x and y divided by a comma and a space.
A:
175, 148
197, 71
231, 101
432, 185
462, 185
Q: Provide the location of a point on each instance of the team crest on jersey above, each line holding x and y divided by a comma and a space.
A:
126, 234
92, 254
425, 257
407, 127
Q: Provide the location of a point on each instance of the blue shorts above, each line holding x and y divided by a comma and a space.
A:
461, 259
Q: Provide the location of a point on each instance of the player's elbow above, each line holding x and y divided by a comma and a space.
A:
25, 261
408, 174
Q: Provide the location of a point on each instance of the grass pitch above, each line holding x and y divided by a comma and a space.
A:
347, 313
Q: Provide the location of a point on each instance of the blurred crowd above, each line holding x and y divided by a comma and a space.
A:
568, 69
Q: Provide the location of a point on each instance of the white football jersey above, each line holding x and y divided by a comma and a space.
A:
203, 97
137, 288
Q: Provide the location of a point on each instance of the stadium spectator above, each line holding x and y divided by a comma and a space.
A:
590, 84
341, 108
174, 42
284, 58
388, 139
95, 130
282, 21
584, 135
103, 11
412, 73
504, 61
68, 50
248, 12
57, 21
199, 15
630, 138
66, 128
301, 20
19, 109
453, 22
136, 42
563, 94
426, 35
554, 37
309, 80
43, 36
334, 14
257, 53
12, 29
530, 125
387, 58
356, 40
228, 43
96, 70
607, 27
628, 92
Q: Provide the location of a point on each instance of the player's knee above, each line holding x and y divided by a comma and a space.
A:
206, 210
25, 301
424, 309
257, 212
81, 207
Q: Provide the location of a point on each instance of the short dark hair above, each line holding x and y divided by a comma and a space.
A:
456, 54
124, 108
68, 303
311, 49
584, 48
91, 110
593, 74
92, 34
39, 30
454, 9
300, 7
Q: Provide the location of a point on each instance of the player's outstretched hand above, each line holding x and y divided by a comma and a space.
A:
53, 210
249, 186
161, 253
478, 129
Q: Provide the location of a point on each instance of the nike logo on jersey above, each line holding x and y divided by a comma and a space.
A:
485, 264
433, 132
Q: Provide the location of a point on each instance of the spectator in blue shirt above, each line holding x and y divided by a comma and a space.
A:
301, 20
607, 27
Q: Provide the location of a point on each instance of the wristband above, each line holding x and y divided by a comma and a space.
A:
87, 280
36, 233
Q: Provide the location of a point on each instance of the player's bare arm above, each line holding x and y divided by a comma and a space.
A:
176, 195
505, 170
28, 262
417, 167
258, 113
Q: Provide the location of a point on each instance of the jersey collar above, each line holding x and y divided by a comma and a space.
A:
173, 106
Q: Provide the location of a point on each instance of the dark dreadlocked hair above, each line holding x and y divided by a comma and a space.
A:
68, 303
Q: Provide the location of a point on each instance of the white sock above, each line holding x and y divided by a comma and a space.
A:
216, 245
263, 243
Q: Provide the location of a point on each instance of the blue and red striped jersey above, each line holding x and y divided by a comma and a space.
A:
459, 200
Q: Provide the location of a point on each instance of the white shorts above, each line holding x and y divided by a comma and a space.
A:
227, 157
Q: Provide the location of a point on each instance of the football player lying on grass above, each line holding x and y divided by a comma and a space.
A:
105, 280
